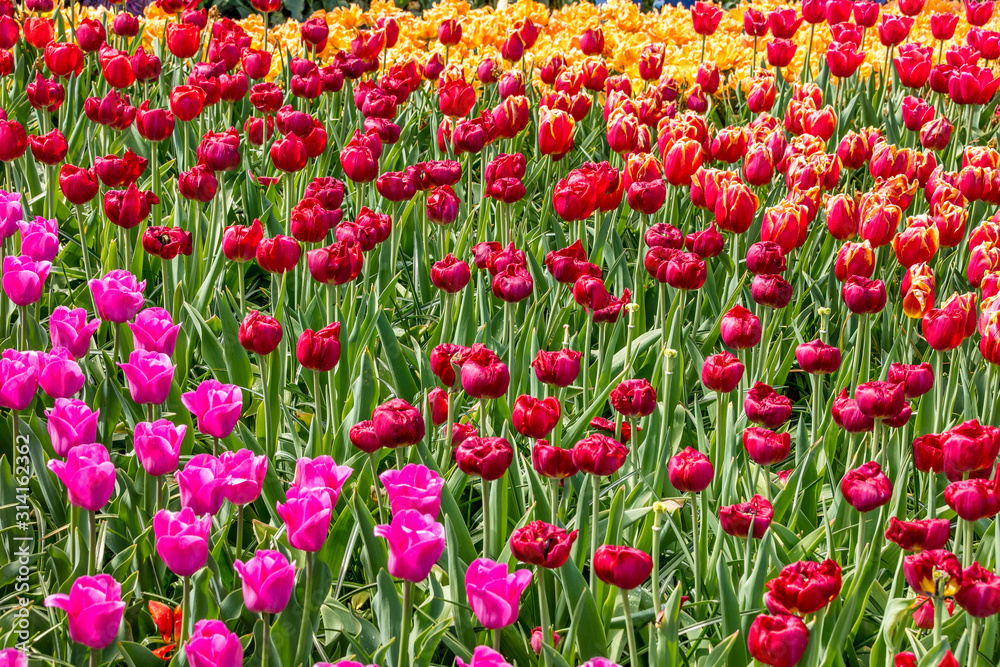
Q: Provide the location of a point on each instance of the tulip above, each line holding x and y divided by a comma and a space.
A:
186, 102
487, 458
484, 375
979, 595
880, 400
866, 488
690, 471
307, 517
766, 447
11, 657
559, 368
934, 572
268, 580
319, 350
917, 380
494, 593
739, 328
24, 279
778, 641
721, 372
217, 407
633, 398
117, 296
154, 331
863, 296
537, 639
542, 544
18, 382
599, 455
484, 656
848, 416
94, 609
182, 540
244, 475
259, 333
535, 418
49, 148
212, 645
414, 487
88, 474
71, 423
158, 446
622, 566
749, 518
970, 446
552, 462
398, 424
149, 376
279, 254
765, 406
59, 375
771, 291
918, 535
804, 587
416, 542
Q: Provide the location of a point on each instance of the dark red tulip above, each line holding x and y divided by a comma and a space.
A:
749, 518
763, 405
552, 462
979, 595
559, 368
622, 566
599, 455
49, 148
933, 571
535, 418
450, 274
336, 264
766, 447
818, 358
771, 291
739, 328
920, 534
484, 375
166, 242
260, 333
721, 372
633, 398
198, 183
804, 587
279, 254
78, 185
398, 424
866, 488
441, 362
542, 544
848, 416
239, 243
128, 208
487, 458
778, 641
690, 471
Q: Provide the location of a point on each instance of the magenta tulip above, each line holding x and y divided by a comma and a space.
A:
217, 407
493, 593
202, 484
158, 446
415, 487
149, 375
416, 541
307, 517
268, 581
71, 423
94, 609
88, 474
182, 540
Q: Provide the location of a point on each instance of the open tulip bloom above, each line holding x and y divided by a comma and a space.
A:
707, 298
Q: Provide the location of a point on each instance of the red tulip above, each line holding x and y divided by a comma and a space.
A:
920, 534
866, 488
749, 518
690, 471
778, 641
534, 418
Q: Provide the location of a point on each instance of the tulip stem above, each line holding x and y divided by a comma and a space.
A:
158, 485
970, 537
378, 496
931, 495
404, 633
92, 558
265, 637
317, 402
95, 657
496, 639
268, 445
305, 627
543, 613
695, 547
24, 329
595, 485
486, 517
974, 642
185, 609
938, 390
633, 651
938, 601
585, 372
240, 270
554, 487
239, 530
215, 446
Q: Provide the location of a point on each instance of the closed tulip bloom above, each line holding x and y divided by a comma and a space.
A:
739, 328
321, 473
943, 329
182, 540
866, 488
18, 382
198, 184
319, 350
49, 148
88, 474
923, 570
149, 376
217, 407
484, 375
771, 291
513, 284
117, 296
24, 279
848, 416
416, 542
154, 331
306, 515
202, 484
398, 424
559, 368
920, 534
535, 418
928, 453
567, 264
71, 423
212, 645
818, 358
279, 254
979, 595
879, 399
767, 407
690, 471
158, 446
59, 375
482, 656
778, 641
268, 580
362, 436
186, 102
11, 657
259, 333
804, 587
542, 544
244, 475
414, 487
766, 447
494, 594
599, 455
722, 372
622, 566
487, 458
854, 259
94, 609
747, 519
552, 462
863, 296
336, 264
78, 185
917, 379
633, 398
687, 271
970, 446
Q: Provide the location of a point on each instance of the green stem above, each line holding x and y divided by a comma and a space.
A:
543, 609
595, 485
974, 642
655, 575
239, 530
94, 657
92, 558
695, 547
970, 537
633, 652
265, 644
317, 401
404, 633
302, 654
268, 444
185, 609
585, 371
378, 496
938, 614
932, 495
24, 329
486, 517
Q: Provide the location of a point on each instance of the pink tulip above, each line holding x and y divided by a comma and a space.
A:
88, 474
39, 239
117, 296
217, 407
244, 475
321, 472
154, 331
94, 608
24, 279
415, 487
307, 517
149, 375
484, 656
71, 423
213, 645
493, 593
10, 213
11, 657
70, 329
202, 484
268, 581
60, 375
158, 446
416, 541
182, 540
18, 381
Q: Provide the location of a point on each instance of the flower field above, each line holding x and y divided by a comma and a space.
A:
501, 336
